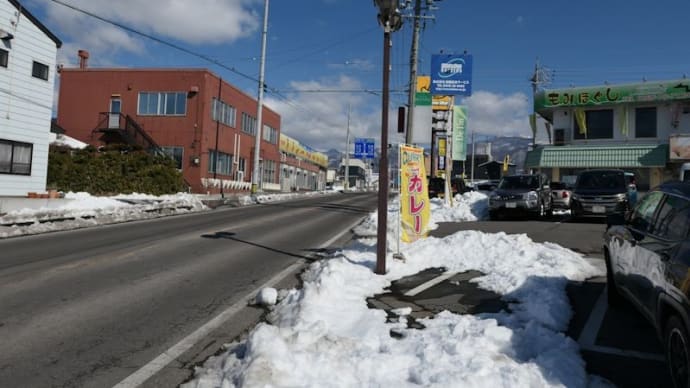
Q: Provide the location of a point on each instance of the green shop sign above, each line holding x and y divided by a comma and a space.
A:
610, 94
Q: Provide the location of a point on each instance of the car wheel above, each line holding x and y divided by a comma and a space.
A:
677, 351
614, 297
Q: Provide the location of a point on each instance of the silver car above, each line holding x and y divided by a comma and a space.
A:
560, 195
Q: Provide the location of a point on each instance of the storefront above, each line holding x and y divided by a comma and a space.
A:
614, 126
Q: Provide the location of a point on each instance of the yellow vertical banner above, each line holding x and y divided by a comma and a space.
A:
415, 208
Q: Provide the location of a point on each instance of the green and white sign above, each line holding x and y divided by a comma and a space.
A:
612, 94
459, 148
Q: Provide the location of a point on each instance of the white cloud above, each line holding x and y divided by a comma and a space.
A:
496, 114
319, 120
197, 22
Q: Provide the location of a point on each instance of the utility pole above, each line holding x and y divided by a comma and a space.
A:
535, 84
414, 52
347, 152
259, 113
473, 158
414, 58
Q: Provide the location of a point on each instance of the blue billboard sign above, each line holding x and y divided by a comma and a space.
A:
364, 148
370, 149
359, 148
451, 75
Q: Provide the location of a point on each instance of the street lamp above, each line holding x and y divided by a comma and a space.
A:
391, 20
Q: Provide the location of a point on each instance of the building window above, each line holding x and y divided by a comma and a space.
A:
248, 124
269, 173
176, 153
224, 166
40, 71
645, 122
15, 157
242, 167
162, 104
599, 125
270, 134
4, 57
223, 112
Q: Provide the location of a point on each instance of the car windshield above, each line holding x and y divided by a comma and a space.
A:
519, 182
558, 186
601, 180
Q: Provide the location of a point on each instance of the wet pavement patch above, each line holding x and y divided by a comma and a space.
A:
456, 293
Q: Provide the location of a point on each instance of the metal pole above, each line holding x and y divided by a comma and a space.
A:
472, 168
347, 152
413, 70
259, 113
216, 153
382, 230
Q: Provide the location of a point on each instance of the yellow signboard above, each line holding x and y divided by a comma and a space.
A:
415, 208
423, 84
441, 102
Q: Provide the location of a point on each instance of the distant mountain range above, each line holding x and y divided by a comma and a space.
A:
514, 146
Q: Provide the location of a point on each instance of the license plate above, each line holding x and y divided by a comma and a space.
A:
511, 205
598, 209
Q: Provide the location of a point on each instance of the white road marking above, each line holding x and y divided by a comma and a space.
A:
588, 336
430, 283
156, 365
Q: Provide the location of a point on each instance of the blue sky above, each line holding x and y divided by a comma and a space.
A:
325, 45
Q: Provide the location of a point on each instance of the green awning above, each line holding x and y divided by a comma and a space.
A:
618, 156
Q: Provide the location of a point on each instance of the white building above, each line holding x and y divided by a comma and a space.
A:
28, 54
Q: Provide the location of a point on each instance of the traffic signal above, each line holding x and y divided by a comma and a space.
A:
401, 119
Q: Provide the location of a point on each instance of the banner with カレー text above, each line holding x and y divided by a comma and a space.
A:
415, 208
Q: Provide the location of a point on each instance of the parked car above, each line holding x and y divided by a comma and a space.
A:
437, 187
600, 193
647, 254
526, 194
560, 195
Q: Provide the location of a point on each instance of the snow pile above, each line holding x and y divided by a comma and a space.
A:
79, 210
325, 335
470, 206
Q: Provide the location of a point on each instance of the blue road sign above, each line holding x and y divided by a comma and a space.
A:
370, 148
359, 148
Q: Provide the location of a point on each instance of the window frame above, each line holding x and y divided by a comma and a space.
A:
161, 104
589, 122
638, 127
224, 163
12, 162
249, 124
172, 152
41, 72
661, 213
651, 221
4, 58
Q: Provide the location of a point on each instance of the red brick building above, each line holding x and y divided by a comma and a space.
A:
178, 111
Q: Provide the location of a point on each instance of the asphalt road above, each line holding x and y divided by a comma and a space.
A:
89, 308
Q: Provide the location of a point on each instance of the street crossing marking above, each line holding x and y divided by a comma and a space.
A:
430, 283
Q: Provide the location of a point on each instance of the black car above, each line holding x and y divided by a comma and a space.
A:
599, 193
437, 187
647, 253
526, 194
